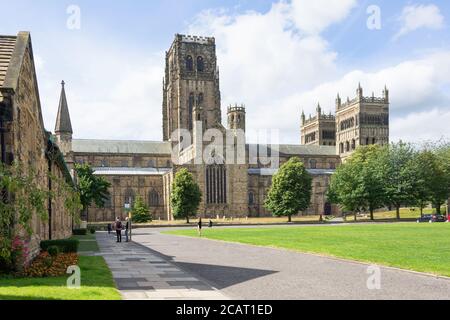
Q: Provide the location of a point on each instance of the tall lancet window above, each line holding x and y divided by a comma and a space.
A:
216, 184
200, 64
189, 63
191, 110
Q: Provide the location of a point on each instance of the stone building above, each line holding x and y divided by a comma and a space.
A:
24, 139
191, 110
361, 121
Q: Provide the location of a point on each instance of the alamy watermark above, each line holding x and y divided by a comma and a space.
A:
74, 19
374, 279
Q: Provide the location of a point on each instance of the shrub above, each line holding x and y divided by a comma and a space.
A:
46, 266
53, 251
79, 232
92, 230
66, 246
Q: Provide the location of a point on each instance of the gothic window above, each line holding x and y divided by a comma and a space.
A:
168, 164
353, 144
313, 164
347, 146
216, 184
153, 198
200, 99
108, 202
332, 165
189, 63
129, 197
200, 64
374, 140
367, 141
341, 148
251, 198
191, 110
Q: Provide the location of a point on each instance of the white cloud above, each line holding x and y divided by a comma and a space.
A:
420, 16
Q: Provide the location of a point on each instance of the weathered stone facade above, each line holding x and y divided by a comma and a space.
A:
26, 140
192, 101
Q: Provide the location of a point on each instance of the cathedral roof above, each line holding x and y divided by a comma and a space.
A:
63, 124
303, 150
121, 147
7, 45
108, 171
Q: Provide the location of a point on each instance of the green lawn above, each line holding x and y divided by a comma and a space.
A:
420, 247
88, 243
96, 284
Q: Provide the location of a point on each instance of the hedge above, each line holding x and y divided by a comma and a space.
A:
66, 246
79, 232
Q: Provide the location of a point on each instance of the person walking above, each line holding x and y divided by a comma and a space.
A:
119, 228
200, 227
127, 226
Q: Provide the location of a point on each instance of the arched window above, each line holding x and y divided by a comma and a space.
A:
341, 148
168, 164
347, 146
367, 141
251, 198
313, 164
191, 110
353, 144
200, 64
189, 63
129, 197
200, 99
108, 202
153, 198
374, 140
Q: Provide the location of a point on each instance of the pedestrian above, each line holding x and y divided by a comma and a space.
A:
127, 226
200, 227
210, 223
109, 228
119, 228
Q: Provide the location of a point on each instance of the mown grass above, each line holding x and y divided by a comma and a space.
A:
96, 284
87, 243
420, 247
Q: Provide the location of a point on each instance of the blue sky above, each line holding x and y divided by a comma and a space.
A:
277, 57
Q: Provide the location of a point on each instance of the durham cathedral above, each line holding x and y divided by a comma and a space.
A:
192, 101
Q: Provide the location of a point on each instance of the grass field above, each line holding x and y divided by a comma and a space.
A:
96, 284
87, 243
420, 247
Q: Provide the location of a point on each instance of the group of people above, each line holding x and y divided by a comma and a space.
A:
200, 226
119, 226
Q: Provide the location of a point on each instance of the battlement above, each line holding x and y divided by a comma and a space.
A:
195, 39
322, 117
236, 108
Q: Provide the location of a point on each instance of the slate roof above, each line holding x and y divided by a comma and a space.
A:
297, 149
63, 124
108, 171
121, 147
7, 45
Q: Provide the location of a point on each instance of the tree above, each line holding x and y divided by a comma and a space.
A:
93, 189
400, 175
141, 212
291, 190
358, 184
186, 196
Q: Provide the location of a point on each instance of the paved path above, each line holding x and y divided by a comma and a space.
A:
249, 272
141, 274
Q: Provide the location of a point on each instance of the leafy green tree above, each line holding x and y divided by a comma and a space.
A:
141, 212
291, 190
186, 196
358, 184
93, 189
400, 175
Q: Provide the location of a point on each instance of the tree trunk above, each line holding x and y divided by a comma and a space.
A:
289, 218
356, 215
187, 219
371, 215
421, 211
397, 210
438, 208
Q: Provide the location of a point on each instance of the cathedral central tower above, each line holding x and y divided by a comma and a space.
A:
191, 85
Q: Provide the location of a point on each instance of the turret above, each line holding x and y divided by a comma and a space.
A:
236, 117
386, 94
338, 102
318, 110
303, 118
359, 92
63, 128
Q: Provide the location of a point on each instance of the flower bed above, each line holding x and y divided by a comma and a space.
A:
45, 265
